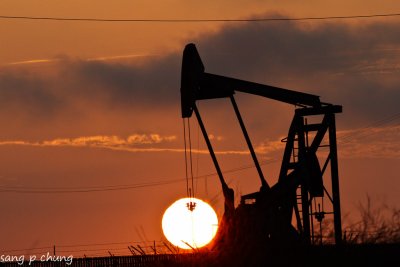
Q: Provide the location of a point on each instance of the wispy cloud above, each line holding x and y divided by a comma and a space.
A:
98, 140
268, 147
98, 58
120, 57
113, 140
372, 142
31, 61
133, 143
216, 138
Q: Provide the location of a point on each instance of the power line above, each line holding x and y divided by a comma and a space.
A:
56, 190
91, 249
26, 249
86, 188
102, 248
83, 190
363, 131
75, 246
99, 244
72, 19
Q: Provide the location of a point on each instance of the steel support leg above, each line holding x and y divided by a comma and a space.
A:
335, 180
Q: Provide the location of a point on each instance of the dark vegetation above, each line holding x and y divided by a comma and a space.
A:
378, 224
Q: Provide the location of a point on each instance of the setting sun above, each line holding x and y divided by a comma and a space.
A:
189, 222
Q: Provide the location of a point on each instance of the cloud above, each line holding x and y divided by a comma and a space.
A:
295, 48
371, 142
375, 142
268, 147
350, 64
100, 140
23, 91
355, 65
133, 143
98, 58
216, 138
66, 85
126, 85
32, 61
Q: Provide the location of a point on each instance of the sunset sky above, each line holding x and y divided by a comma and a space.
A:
91, 147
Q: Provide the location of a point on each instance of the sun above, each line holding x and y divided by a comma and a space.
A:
190, 223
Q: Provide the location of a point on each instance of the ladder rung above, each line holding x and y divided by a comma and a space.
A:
323, 146
312, 127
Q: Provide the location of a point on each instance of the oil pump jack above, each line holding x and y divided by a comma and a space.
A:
281, 214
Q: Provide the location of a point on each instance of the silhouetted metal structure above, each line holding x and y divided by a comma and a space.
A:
266, 217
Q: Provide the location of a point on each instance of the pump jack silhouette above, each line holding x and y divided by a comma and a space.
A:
264, 218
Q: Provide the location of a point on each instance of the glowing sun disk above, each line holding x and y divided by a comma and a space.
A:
185, 228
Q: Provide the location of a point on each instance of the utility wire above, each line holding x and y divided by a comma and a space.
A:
197, 20
363, 131
101, 247
44, 190
83, 190
54, 190
377, 123
88, 187
73, 246
26, 249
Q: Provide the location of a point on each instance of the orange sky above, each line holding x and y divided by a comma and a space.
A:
87, 105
